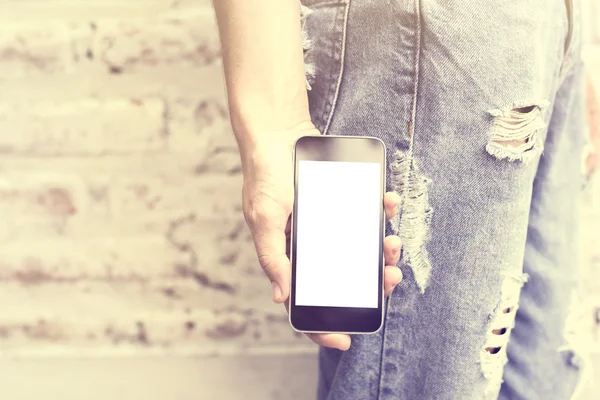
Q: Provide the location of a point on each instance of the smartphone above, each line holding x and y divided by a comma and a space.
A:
338, 224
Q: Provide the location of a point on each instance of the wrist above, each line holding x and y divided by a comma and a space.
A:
265, 147
258, 131
254, 114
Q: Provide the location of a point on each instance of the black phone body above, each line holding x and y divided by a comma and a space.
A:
338, 226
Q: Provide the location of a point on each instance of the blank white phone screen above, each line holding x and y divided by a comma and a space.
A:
337, 234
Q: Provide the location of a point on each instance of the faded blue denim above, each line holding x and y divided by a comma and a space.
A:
481, 105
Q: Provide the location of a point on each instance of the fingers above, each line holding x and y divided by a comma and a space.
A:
391, 202
392, 274
391, 249
392, 277
277, 267
334, 340
270, 241
271, 249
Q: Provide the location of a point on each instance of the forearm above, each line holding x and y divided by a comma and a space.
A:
264, 71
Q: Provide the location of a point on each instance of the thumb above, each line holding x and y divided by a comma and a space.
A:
270, 242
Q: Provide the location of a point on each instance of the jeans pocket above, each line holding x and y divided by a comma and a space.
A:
324, 27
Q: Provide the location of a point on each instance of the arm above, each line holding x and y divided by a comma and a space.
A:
264, 71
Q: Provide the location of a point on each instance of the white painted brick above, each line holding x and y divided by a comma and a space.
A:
173, 83
215, 245
38, 206
105, 168
206, 195
45, 47
176, 246
181, 37
203, 126
168, 376
174, 37
147, 314
89, 126
51, 200
75, 10
42, 195
71, 260
191, 3
192, 122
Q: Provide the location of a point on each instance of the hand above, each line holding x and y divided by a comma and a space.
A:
268, 197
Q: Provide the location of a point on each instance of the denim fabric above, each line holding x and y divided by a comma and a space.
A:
481, 107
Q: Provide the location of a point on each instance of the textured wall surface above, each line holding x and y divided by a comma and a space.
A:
121, 234
120, 184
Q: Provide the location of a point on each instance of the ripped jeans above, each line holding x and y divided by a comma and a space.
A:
481, 107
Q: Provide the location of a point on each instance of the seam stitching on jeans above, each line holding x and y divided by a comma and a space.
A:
331, 77
341, 71
411, 133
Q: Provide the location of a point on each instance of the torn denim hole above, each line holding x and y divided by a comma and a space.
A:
412, 224
309, 67
502, 321
514, 132
576, 346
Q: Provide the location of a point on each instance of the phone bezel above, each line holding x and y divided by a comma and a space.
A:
322, 319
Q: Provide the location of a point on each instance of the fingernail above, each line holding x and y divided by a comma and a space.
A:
276, 291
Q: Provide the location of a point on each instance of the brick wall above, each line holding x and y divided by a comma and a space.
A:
120, 184
120, 225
